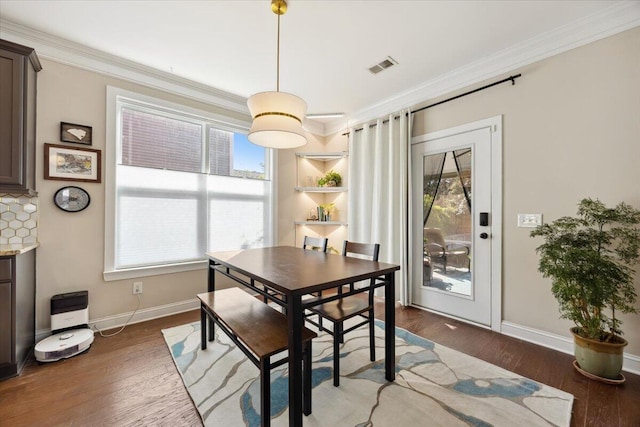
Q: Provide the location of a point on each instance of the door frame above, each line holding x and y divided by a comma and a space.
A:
495, 126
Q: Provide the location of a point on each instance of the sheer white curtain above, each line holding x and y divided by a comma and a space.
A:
378, 189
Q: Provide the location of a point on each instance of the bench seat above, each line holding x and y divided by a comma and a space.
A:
260, 332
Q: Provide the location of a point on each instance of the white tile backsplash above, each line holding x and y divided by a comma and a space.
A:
18, 219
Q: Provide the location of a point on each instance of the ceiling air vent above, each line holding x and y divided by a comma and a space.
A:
383, 65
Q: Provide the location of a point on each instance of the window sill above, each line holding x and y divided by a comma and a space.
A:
156, 270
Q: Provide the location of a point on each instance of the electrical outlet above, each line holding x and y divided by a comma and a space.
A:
137, 288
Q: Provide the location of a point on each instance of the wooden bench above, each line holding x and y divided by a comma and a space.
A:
260, 332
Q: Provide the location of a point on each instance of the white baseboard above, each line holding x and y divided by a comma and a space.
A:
631, 362
555, 342
143, 315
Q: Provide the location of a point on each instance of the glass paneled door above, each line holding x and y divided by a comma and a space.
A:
451, 245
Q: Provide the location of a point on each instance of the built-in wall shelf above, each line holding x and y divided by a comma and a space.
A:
320, 223
324, 157
322, 189
310, 168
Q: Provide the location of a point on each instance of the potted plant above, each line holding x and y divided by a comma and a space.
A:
590, 260
331, 179
327, 209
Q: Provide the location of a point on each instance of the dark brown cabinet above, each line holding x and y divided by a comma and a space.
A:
19, 66
17, 311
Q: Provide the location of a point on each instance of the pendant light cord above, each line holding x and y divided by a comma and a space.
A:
278, 58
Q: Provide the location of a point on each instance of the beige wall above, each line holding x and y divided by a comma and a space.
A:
571, 130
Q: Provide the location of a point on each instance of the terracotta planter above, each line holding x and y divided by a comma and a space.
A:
601, 359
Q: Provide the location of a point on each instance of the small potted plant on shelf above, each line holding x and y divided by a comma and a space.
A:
331, 179
327, 209
590, 260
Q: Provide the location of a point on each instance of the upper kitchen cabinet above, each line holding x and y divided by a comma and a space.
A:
19, 66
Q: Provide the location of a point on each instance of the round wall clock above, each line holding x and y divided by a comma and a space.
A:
71, 199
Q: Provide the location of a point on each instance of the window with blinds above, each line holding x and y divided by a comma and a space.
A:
153, 141
185, 185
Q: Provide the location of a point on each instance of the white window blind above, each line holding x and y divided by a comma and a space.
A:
184, 185
154, 141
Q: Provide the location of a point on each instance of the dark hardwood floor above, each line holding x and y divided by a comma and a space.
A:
130, 379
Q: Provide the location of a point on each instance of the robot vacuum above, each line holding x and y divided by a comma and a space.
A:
70, 327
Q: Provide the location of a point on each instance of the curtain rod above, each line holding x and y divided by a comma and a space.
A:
511, 79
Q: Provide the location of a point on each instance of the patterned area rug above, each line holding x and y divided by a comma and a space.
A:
434, 385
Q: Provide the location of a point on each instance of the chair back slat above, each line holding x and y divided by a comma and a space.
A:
368, 249
315, 243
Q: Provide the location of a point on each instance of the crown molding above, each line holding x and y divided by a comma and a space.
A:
70, 53
619, 17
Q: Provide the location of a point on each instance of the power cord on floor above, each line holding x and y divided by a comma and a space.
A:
123, 326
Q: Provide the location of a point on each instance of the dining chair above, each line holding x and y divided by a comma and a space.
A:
315, 243
345, 308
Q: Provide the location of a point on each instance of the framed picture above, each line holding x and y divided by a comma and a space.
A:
77, 134
72, 164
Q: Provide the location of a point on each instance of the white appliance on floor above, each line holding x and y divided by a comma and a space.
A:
70, 327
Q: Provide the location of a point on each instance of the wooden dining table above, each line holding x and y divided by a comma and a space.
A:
284, 274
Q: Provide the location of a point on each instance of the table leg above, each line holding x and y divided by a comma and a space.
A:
211, 286
295, 321
203, 328
390, 327
306, 378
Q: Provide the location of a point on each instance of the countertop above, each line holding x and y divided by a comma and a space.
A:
17, 248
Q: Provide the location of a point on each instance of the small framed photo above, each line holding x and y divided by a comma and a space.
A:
78, 134
72, 164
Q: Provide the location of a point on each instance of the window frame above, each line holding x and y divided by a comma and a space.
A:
118, 98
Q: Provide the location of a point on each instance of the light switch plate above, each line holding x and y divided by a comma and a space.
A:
529, 220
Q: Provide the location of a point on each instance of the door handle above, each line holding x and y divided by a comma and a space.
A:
484, 236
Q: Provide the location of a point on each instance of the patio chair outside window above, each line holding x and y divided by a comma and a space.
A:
439, 251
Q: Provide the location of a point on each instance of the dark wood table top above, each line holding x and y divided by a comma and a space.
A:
293, 270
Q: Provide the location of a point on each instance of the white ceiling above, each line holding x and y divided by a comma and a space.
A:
326, 46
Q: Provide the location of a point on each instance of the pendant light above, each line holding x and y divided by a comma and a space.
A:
277, 116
